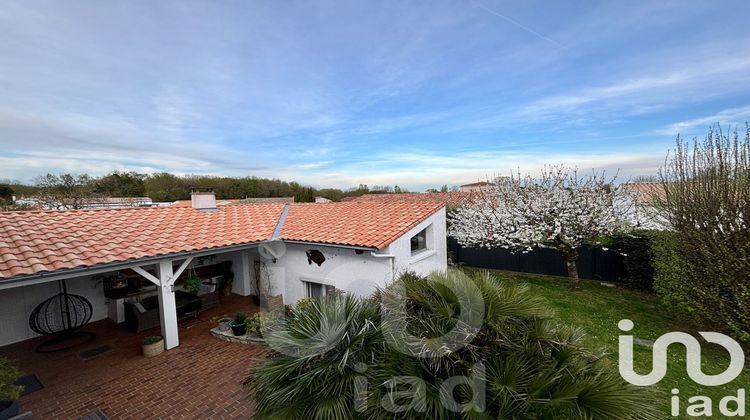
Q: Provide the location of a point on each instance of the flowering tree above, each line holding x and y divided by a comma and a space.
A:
559, 210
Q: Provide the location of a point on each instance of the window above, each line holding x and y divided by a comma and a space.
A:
419, 241
317, 290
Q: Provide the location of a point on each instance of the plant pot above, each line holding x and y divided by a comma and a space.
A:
8, 409
238, 329
223, 325
154, 349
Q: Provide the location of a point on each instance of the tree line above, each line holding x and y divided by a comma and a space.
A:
73, 190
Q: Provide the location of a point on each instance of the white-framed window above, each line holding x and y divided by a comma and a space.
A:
421, 241
317, 290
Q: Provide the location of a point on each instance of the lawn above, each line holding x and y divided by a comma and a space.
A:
597, 309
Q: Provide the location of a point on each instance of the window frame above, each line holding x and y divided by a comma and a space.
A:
324, 289
428, 244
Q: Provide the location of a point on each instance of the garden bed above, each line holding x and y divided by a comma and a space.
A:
242, 339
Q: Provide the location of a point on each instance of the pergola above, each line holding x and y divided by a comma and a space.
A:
164, 278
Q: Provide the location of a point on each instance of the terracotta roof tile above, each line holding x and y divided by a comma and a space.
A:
448, 198
372, 225
646, 192
43, 241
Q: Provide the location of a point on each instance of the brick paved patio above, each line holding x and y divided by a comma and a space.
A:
202, 378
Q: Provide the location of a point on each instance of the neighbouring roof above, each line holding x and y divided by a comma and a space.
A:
477, 184
35, 242
219, 202
646, 192
448, 198
267, 200
227, 201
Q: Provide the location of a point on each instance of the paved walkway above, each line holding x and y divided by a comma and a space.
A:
202, 378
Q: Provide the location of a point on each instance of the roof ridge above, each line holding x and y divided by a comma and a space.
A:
280, 223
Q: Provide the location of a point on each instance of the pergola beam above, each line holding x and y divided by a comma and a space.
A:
165, 279
146, 275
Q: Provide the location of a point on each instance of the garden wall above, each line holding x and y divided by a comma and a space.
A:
593, 262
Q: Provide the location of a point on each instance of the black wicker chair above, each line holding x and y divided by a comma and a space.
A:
61, 316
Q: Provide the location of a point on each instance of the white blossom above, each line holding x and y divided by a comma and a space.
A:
559, 209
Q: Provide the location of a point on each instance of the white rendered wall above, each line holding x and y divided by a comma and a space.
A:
343, 268
434, 258
17, 303
360, 274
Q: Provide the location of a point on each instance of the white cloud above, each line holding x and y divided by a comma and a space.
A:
643, 93
727, 118
421, 170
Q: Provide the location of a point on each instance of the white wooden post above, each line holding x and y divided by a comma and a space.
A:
167, 305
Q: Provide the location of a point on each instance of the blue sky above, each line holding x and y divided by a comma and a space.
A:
337, 93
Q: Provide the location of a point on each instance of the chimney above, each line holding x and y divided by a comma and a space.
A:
203, 199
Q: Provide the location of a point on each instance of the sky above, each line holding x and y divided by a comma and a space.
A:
339, 93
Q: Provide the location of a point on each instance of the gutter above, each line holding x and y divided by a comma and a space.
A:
392, 264
106, 267
101, 268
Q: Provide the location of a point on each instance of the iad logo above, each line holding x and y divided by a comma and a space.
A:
700, 405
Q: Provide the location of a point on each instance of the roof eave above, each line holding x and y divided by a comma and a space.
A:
45, 276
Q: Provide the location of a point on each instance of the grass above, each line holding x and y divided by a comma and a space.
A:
597, 309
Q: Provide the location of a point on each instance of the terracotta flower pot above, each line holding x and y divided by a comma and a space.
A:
154, 349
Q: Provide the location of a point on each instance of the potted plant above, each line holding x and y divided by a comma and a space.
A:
9, 391
152, 345
238, 324
192, 284
223, 322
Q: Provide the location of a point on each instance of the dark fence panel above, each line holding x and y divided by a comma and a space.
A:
593, 262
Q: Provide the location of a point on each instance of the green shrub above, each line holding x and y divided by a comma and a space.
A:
9, 391
151, 339
192, 284
303, 304
638, 258
257, 321
239, 318
672, 274
707, 202
334, 360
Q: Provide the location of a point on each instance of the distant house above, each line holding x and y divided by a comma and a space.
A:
474, 186
322, 200
450, 199
119, 202
646, 198
92, 203
284, 251
227, 201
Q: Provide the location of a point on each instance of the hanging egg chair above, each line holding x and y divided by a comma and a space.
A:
61, 316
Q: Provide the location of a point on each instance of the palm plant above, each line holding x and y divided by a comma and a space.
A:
336, 358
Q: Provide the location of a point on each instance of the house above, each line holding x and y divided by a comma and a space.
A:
94, 203
450, 199
226, 201
474, 186
322, 200
282, 251
646, 197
